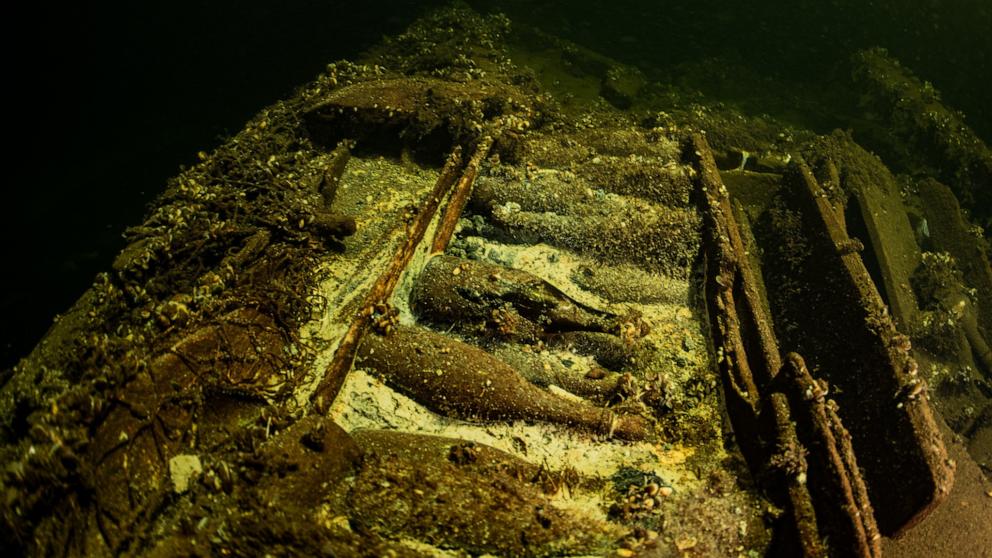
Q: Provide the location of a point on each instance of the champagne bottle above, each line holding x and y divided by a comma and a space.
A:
458, 380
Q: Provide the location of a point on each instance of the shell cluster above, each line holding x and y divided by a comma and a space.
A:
641, 500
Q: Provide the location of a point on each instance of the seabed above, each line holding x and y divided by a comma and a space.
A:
485, 292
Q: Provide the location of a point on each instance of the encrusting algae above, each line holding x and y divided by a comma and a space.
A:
434, 304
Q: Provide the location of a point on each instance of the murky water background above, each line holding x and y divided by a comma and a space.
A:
109, 102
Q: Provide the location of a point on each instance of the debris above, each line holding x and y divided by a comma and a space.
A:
183, 469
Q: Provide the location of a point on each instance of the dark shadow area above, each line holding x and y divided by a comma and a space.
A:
858, 229
109, 100
806, 44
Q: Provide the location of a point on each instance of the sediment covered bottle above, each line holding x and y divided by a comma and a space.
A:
458, 380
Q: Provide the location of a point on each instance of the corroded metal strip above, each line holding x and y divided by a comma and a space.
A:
728, 274
860, 490
789, 459
841, 498
835, 503
882, 401
456, 204
382, 289
730, 288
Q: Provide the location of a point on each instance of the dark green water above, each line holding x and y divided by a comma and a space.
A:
804, 42
108, 102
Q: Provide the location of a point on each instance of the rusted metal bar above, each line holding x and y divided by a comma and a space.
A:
882, 400
789, 460
840, 499
768, 441
862, 502
456, 204
728, 275
783, 412
382, 289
